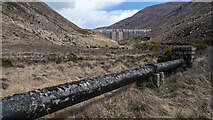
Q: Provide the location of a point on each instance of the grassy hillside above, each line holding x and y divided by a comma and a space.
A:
36, 24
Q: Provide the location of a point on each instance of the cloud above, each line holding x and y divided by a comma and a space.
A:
92, 14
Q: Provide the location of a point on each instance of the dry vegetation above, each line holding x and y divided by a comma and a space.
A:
40, 48
35, 23
185, 94
25, 71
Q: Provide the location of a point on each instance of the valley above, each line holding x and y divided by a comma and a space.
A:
41, 48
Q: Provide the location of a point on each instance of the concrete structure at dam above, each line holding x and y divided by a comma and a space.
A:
119, 34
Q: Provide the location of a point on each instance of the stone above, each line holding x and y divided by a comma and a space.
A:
162, 77
156, 80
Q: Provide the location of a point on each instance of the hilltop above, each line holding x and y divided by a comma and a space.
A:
148, 17
172, 22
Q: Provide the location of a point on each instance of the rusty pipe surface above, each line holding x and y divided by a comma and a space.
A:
34, 104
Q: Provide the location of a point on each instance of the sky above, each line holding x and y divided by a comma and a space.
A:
91, 14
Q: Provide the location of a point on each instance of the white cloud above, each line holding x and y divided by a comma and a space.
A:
91, 14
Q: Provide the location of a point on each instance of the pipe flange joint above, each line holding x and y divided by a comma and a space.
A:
154, 66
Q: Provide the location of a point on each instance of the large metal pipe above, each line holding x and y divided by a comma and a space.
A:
35, 104
169, 65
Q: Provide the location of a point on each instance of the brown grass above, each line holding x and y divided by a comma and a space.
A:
186, 94
33, 71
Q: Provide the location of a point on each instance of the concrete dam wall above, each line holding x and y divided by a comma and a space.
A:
119, 34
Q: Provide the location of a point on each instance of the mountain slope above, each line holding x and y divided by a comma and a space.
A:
190, 21
35, 23
172, 22
147, 17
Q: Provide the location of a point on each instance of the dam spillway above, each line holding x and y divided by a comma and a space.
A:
119, 34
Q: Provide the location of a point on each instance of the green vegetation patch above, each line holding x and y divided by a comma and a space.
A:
201, 44
6, 62
163, 57
83, 31
166, 54
59, 59
72, 57
159, 46
164, 51
153, 47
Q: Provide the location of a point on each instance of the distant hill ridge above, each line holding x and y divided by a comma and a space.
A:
147, 17
172, 21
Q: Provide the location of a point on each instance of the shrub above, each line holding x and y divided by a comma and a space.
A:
73, 43
83, 31
151, 46
54, 58
93, 47
167, 56
201, 44
6, 62
72, 57
57, 60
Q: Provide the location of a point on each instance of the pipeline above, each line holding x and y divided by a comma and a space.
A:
40, 102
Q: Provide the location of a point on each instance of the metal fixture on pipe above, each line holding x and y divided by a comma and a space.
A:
35, 104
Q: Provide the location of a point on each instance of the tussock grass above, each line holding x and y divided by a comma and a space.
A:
201, 44
185, 94
59, 59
